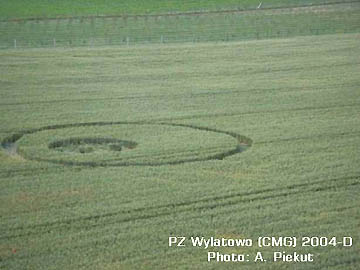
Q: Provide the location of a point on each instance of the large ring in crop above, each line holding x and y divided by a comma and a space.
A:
240, 144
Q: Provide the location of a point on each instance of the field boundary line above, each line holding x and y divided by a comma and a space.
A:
190, 13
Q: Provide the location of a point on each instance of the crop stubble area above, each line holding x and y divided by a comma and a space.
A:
290, 106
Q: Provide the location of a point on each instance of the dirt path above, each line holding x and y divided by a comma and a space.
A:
191, 13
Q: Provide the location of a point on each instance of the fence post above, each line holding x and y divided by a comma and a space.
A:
127, 41
14, 43
162, 39
54, 40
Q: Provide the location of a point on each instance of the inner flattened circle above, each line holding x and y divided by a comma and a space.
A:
85, 145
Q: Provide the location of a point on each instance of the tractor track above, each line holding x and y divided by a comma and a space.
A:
205, 204
194, 95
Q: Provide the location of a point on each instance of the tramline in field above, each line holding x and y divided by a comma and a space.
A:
179, 134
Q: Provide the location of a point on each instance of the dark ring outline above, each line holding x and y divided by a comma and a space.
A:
243, 143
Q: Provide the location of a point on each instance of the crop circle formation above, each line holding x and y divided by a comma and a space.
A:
126, 144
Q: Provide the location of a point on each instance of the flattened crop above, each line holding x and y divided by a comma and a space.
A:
126, 144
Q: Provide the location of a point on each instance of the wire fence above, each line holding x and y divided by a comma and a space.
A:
127, 41
222, 27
